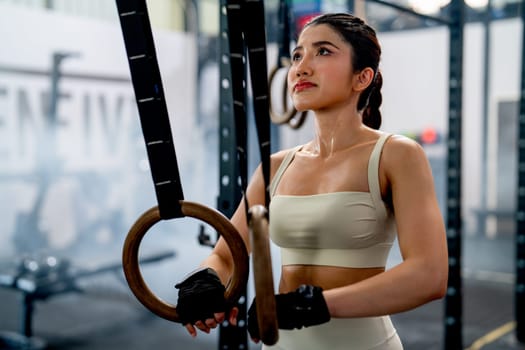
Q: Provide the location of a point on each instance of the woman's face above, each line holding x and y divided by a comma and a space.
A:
321, 73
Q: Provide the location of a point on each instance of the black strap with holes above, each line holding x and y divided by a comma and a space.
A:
247, 33
153, 112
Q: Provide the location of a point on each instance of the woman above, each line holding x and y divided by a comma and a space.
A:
336, 205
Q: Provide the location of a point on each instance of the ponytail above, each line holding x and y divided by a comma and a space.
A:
369, 102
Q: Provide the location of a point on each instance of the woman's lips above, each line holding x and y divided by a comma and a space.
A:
303, 85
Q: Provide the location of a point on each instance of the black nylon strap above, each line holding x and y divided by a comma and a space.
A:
247, 32
153, 112
283, 41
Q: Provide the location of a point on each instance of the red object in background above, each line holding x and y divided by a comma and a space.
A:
429, 136
302, 20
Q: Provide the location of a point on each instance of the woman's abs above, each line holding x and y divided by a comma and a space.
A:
326, 277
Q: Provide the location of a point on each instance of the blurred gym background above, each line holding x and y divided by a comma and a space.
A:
74, 174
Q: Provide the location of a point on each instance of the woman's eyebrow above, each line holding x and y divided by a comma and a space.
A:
297, 48
317, 44
324, 43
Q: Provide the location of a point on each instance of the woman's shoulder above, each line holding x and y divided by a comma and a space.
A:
398, 142
401, 150
278, 157
281, 154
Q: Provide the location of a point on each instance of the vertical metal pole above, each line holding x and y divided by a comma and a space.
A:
27, 314
520, 210
229, 173
453, 298
350, 5
485, 112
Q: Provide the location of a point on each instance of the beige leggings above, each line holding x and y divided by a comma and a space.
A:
370, 333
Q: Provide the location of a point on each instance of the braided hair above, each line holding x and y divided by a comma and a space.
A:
366, 53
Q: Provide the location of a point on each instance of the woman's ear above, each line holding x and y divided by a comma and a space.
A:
363, 79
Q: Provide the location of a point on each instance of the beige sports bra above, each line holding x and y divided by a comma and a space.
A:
346, 229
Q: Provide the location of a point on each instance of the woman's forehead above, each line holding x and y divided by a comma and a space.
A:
319, 32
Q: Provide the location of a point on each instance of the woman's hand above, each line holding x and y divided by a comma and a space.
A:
207, 325
303, 307
201, 302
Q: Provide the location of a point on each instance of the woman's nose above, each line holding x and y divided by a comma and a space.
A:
300, 72
302, 68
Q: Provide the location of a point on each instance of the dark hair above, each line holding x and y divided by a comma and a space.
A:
366, 53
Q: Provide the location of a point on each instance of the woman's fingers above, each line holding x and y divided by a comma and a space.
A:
232, 317
189, 327
202, 326
211, 323
219, 317
205, 326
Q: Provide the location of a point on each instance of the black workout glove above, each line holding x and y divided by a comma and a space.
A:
201, 294
303, 308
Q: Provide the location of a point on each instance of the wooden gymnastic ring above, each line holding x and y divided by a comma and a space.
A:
263, 276
224, 227
287, 113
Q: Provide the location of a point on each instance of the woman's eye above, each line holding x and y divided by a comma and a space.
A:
322, 51
296, 57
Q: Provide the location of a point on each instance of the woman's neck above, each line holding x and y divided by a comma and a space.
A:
335, 133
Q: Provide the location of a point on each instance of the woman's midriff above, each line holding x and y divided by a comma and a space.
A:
326, 277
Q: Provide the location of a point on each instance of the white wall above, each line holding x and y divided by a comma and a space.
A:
99, 146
